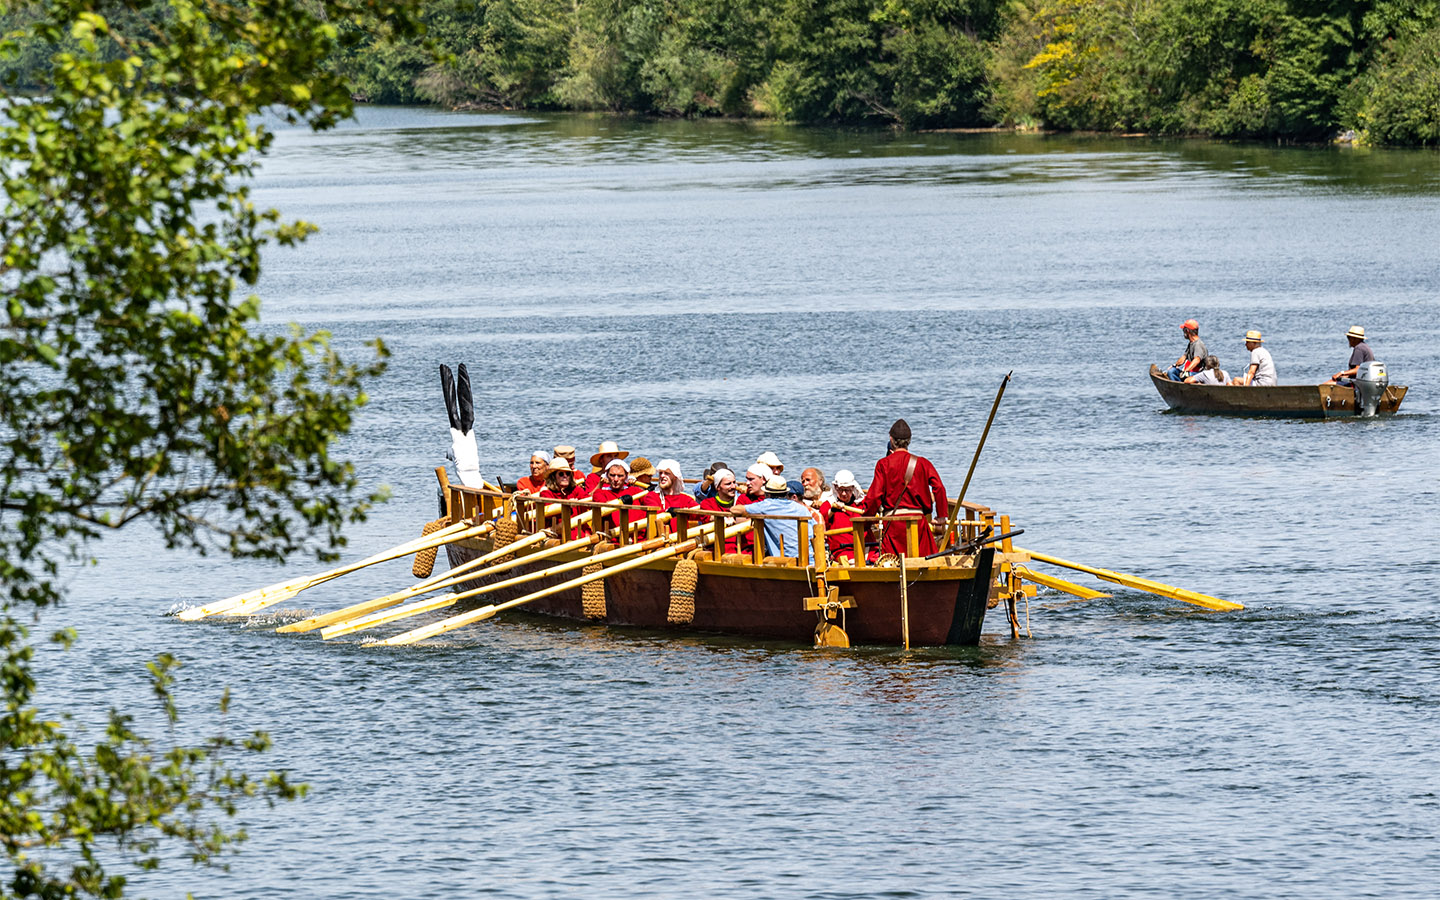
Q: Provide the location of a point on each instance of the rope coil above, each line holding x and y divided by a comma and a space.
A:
682, 592
425, 560
592, 595
506, 531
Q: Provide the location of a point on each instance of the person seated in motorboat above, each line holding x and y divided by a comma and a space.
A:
1209, 373
1195, 353
782, 536
836, 511
534, 483
1360, 354
1261, 371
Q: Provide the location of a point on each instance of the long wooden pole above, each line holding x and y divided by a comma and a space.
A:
485, 612
959, 502
1140, 584
463, 572
354, 624
246, 603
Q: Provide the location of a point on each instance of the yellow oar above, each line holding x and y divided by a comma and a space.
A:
1139, 584
1060, 584
443, 580
247, 603
295, 585
485, 612
350, 626
455, 576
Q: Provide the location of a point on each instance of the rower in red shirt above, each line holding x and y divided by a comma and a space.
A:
560, 485
617, 489
843, 504
672, 491
600, 461
724, 501
905, 482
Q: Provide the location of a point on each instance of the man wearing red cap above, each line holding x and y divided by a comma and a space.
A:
906, 483
1195, 353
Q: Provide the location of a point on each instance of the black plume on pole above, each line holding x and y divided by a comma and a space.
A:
467, 401
447, 384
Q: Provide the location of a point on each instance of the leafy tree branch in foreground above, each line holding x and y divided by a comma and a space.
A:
136, 383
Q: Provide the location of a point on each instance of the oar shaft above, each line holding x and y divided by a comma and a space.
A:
485, 612
1140, 584
964, 488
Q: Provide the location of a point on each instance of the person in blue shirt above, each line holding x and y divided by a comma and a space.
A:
782, 536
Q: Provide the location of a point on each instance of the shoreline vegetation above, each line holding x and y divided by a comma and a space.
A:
1360, 71
1297, 71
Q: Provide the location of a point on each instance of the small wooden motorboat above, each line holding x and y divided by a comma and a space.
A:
1292, 401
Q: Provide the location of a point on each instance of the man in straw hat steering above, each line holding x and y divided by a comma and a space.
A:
1261, 371
905, 483
1360, 354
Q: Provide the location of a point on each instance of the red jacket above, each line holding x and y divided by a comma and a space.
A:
890, 491
835, 516
733, 544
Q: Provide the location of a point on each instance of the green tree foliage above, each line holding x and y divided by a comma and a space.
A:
1224, 67
135, 383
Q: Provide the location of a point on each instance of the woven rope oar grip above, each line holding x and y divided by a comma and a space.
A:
425, 559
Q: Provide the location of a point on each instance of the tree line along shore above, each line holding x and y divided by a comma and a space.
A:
1300, 70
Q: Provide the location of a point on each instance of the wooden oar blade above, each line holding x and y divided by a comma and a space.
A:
386, 616
1060, 584
1139, 584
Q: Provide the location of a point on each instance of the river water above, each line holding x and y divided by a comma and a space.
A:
711, 290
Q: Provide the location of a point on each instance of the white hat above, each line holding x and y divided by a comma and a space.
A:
542, 454
770, 459
671, 466
720, 475
845, 478
617, 462
762, 470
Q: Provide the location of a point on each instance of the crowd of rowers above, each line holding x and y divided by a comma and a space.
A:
904, 484
1198, 366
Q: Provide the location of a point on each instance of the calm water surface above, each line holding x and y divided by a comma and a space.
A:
708, 291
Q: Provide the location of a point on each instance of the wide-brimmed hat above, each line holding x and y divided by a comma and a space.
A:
845, 478
607, 448
1356, 332
1253, 335
770, 459
561, 464
640, 468
777, 486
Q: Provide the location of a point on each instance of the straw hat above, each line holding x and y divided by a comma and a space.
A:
777, 486
1253, 335
642, 470
565, 450
608, 448
770, 459
561, 464
1356, 332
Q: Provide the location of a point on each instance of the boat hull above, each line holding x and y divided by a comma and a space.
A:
1289, 401
946, 604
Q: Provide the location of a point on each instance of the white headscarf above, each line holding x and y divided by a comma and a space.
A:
764, 471
673, 467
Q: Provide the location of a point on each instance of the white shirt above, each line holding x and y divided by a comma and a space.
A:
1264, 368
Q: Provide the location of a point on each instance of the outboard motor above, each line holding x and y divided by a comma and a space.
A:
1370, 384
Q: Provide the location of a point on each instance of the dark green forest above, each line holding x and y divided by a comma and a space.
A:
1286, 69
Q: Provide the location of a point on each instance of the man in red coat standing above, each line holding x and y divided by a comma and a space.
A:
906, 483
